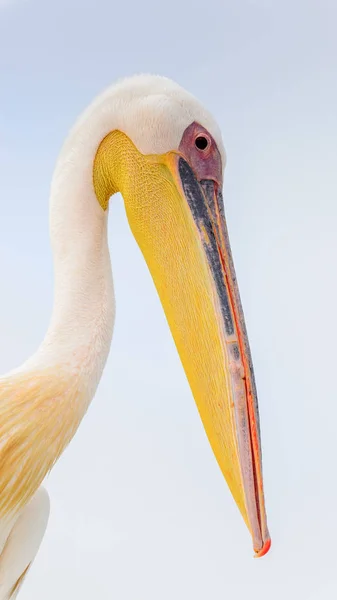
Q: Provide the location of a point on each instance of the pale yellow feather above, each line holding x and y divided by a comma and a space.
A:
39, 414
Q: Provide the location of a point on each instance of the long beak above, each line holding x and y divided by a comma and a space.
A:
180, 227
206, 205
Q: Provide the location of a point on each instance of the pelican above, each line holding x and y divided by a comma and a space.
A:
153, 142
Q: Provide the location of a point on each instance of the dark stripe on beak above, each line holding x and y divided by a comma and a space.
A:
214, 200
201, 216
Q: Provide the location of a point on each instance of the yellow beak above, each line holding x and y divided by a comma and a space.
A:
180, 227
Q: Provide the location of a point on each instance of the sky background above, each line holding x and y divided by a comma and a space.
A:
140, 510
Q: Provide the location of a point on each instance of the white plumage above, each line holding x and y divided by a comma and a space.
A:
153, 112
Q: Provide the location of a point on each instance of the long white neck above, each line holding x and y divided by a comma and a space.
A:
79, 335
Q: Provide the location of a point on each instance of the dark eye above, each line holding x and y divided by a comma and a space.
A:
201, 142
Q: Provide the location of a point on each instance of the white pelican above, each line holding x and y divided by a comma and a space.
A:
149, 139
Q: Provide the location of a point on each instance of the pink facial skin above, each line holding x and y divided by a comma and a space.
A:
205, 162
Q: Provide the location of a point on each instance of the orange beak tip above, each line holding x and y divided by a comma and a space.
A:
265, 548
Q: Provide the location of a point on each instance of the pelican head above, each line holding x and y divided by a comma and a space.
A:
164, 152
150, 140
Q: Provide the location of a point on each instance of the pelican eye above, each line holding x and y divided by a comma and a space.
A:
201, 142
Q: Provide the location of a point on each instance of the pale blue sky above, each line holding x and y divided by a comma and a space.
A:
140, 510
